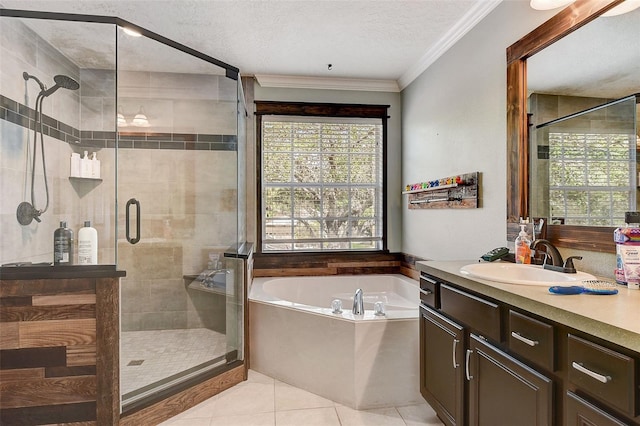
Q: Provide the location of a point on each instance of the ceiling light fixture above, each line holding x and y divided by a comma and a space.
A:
625, 7
121, 120
141, 120
549, 4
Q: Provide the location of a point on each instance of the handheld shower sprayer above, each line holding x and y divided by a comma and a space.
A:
27, 212
27, 76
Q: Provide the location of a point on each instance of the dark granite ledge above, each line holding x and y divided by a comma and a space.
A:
43, 272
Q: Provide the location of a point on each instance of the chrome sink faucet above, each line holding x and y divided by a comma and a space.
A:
557, 264
358, 303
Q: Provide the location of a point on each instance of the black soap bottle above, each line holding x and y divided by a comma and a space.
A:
63, 245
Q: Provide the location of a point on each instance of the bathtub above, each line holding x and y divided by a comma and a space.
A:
361, 361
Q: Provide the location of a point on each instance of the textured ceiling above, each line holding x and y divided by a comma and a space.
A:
368, 39
601, 59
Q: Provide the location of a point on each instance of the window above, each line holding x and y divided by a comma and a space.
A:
322, 177
591, 177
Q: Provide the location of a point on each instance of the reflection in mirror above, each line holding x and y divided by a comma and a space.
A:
583, 165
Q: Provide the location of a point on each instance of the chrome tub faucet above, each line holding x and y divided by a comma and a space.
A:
358, 303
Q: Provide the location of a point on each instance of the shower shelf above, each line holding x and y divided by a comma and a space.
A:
81, 179
195, 284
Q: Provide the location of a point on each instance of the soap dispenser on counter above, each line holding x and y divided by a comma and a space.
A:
523, 244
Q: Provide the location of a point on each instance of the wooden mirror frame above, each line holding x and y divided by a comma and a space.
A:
565, 22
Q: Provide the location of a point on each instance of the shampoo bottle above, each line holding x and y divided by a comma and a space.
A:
63, 245
95, 166
85, 166
75, 165
523, 246
87, 245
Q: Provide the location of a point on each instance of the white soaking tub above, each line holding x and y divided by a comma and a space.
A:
362, 361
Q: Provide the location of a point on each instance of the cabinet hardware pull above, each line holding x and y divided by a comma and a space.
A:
466, 367
426, 292
424, 277
599, 377
455, 343
523, 339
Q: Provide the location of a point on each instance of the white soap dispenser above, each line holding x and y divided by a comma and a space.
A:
95, 166
523, 245
75, 165
85, 166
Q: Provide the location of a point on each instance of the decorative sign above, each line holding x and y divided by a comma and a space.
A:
453, 192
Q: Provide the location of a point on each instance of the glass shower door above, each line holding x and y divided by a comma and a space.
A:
177, 197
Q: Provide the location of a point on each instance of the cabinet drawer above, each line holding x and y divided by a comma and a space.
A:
580, 412
531, 339
429, 291
479, 314
602, 372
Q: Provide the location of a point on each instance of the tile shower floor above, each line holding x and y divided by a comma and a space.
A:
150, 356
264, 401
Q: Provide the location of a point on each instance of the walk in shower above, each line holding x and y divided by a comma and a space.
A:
167, 125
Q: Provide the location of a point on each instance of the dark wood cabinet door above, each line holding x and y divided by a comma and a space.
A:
581, 413
504, 391
441, 365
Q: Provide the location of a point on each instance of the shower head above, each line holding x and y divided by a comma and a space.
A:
63, 81
26, 77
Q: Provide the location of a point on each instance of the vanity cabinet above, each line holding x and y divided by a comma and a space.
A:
442, 365
486, 362
583, 413
464, 376
504, 391
604, 373
532, 339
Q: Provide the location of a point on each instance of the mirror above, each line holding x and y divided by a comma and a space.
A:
555, 30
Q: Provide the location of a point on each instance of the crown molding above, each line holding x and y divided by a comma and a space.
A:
327, 83
481, 9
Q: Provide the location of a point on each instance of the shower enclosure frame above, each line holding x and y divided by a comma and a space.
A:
205, 382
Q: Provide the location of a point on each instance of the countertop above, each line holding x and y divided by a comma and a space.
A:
615, 318
49, 271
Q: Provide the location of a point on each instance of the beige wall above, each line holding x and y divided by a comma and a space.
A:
394, 141
454, 121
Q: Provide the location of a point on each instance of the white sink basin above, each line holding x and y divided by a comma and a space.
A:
512, 273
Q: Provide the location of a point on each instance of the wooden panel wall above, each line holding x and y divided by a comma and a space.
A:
299, 264
48, 346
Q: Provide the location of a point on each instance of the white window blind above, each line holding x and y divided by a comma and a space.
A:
321, 184
591, 177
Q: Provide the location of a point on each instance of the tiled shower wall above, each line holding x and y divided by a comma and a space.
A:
182, 169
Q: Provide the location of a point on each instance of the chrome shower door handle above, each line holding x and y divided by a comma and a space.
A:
127, 221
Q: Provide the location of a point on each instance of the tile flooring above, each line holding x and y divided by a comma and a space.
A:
150, 356
263, 401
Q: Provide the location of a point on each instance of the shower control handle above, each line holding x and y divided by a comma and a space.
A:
127, 222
